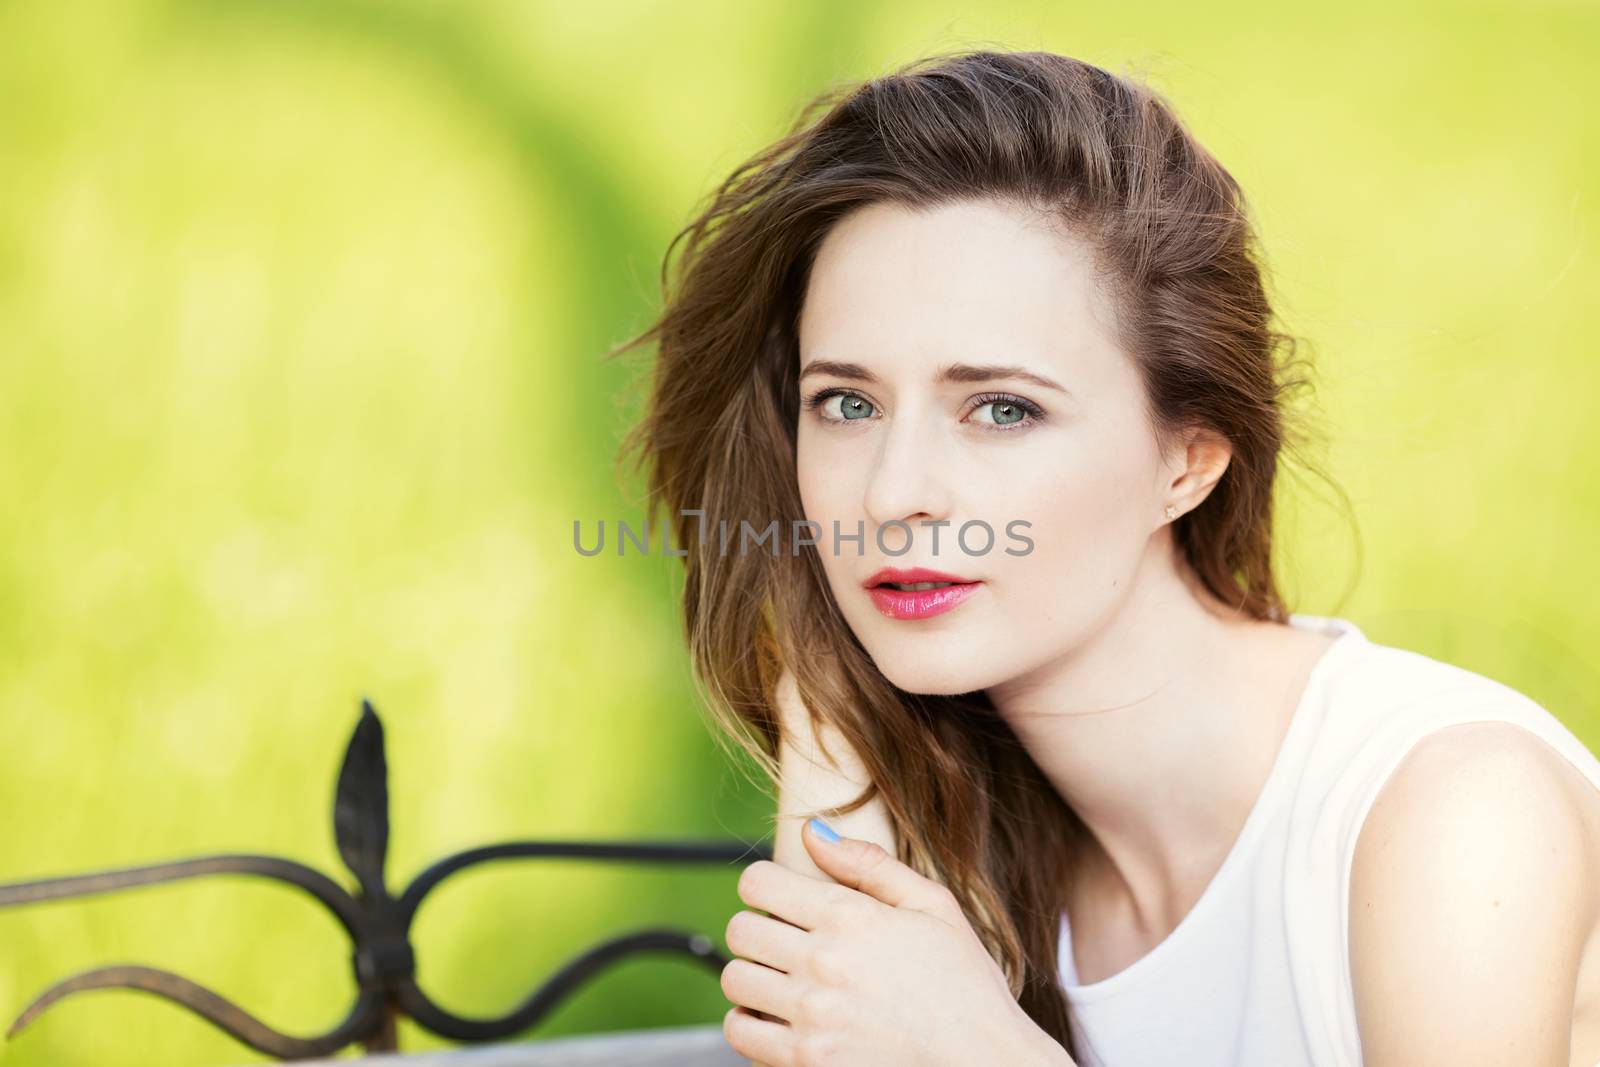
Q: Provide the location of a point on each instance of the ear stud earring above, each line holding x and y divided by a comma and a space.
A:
1172, 512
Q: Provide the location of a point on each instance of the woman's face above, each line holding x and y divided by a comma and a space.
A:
896, 297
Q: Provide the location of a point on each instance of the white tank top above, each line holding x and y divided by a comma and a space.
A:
1257, 974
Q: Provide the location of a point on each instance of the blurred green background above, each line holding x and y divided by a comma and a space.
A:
304, 304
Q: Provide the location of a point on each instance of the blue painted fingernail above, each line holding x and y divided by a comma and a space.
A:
823, 830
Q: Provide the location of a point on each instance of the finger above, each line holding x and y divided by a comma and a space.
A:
763, 939
867, 867
755, 985
789, 895
764, 1041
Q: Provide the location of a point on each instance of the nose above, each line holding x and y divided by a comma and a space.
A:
907, 482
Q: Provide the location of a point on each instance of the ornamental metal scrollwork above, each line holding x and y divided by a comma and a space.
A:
378, 922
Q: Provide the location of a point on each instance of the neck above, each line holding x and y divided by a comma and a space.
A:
1159, 731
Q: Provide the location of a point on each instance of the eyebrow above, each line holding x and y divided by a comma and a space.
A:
954, 372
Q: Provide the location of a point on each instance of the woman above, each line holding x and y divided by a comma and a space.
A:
968, 413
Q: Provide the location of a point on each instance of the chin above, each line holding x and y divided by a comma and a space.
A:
930, 672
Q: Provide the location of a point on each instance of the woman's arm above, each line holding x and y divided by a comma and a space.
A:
939, 968
1472, 892
810, 780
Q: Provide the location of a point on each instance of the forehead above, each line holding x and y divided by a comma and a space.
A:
896, 287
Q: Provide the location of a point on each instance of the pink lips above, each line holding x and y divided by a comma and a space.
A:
917, 603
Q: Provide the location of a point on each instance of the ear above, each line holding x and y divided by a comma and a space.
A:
1199, 458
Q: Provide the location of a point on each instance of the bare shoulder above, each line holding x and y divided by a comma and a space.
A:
1472, 898
1479, 778
819, 768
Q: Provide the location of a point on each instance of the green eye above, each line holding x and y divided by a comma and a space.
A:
1008, 413
854, 407
1005, 412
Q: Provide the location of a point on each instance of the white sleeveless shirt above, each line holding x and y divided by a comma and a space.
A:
1257, 974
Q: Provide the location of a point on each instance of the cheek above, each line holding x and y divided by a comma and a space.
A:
826, 480
829, 494
1086, 514
812, 488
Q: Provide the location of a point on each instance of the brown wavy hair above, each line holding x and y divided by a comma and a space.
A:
1103, 156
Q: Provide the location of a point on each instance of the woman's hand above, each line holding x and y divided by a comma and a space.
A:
879, 966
